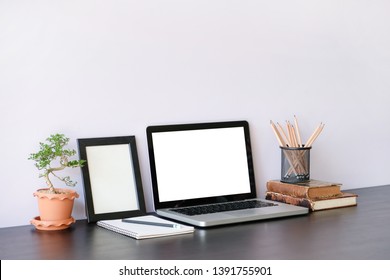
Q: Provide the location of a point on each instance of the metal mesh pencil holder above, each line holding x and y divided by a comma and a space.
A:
295, 165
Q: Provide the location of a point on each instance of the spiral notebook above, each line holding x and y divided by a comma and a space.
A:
144, 231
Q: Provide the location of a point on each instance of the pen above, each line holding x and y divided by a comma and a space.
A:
151, 223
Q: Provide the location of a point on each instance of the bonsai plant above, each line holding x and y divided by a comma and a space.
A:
55, 204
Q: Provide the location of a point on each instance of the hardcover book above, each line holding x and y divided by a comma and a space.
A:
312, 189
342, 200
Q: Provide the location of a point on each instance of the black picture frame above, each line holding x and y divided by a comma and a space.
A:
112, 178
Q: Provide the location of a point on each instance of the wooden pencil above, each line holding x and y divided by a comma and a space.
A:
315, 134
285, 138
290, 134
298, 132
277, 134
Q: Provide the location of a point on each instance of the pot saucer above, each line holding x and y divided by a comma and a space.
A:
52, 225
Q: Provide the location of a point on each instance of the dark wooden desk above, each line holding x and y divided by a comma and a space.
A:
361, 232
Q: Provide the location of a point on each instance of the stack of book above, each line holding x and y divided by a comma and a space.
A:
313, 194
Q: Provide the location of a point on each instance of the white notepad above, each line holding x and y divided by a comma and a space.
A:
143, 231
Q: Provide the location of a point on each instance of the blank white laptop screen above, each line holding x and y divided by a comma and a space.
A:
201, 163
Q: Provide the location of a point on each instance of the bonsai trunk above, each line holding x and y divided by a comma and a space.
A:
51, 171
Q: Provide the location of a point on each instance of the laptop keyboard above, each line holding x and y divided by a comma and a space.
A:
222, 207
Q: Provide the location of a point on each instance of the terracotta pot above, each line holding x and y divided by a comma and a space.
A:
55, 207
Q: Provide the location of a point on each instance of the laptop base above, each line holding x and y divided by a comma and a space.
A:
236, 216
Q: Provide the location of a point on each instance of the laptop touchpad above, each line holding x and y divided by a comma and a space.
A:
241, 213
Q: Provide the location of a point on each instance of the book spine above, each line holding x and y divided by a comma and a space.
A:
288, 189
304, 202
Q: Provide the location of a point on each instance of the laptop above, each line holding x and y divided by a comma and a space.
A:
202, 174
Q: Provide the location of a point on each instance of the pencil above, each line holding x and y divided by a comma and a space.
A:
291, 132
298, 133
284, 135
315, 134
151, 223
277, 134
294, 136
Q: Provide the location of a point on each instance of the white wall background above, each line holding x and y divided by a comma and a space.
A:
107, 68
